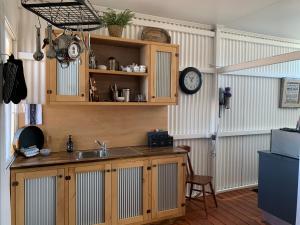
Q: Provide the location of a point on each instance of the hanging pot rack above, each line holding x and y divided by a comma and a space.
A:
71, 14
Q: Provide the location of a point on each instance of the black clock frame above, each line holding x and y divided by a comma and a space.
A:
181, 80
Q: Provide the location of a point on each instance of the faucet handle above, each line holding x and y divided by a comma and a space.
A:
99, 143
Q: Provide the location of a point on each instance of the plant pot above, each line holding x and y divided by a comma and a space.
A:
115, 30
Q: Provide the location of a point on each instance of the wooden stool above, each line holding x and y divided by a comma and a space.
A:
202, 181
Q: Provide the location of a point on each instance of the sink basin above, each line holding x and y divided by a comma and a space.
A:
91, 154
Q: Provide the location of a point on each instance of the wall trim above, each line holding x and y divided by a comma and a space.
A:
251, 37
243, 133
237, 188
169, 24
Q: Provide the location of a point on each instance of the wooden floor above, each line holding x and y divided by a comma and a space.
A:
236, 207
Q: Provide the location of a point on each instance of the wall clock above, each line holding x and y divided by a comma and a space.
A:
190, 80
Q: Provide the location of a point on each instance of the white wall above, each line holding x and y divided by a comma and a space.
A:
255, 102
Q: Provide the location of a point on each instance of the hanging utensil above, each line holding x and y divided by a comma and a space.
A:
38, 55
51, 53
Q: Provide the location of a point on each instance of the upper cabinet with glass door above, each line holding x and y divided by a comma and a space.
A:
164, 62
67, 84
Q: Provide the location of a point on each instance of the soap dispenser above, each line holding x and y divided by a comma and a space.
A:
70, 144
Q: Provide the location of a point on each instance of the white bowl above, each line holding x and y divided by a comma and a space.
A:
120, 99
101, 67
45, 151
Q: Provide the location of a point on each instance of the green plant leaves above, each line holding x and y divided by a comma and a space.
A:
111, 17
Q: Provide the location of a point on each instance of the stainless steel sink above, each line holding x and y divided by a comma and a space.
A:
91, 154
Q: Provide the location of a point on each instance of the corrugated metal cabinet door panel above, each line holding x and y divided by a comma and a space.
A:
90, 195
40, 198
164, 70
130, 200
167, 187
67, 84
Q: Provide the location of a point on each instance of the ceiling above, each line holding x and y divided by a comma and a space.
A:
272, 17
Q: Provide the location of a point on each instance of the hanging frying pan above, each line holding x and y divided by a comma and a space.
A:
28, 136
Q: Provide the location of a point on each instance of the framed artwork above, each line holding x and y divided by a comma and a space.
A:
290, 93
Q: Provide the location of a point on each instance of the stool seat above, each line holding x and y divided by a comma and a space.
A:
198, 179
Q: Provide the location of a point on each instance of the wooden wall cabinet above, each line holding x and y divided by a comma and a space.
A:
67, 84
158, 84
164, 70
135, 191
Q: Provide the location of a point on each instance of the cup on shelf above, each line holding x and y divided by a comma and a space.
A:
143, 68
126, 94
136, 68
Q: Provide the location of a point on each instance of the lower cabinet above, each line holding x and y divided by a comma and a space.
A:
113, 192
168, 187
130, 192
39, 198
89, 194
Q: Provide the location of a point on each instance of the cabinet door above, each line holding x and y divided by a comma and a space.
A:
40, 198
168, 187
164, 69
89, 195
130, 192
69, 83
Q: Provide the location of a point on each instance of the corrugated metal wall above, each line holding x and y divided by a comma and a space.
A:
254, 107
167, 186
90, 198
240, 48
130, 192
237, 160
40, 201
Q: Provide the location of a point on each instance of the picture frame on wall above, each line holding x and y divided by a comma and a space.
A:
290, 93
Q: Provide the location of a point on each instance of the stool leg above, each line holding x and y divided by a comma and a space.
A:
191, 191
204, 199
213, 193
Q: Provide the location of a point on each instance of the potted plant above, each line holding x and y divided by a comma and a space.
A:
115, 22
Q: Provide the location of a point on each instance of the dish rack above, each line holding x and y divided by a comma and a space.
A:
66, 14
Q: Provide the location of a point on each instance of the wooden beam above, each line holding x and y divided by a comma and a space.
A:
261, 62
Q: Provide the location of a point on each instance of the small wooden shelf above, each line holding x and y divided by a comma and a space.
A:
114, 72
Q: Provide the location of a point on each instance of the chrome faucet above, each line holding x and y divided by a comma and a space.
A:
103, 148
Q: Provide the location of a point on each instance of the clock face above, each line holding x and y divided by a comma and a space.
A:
73, 51
190, 80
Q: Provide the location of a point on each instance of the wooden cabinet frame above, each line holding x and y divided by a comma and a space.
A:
174, 71
20, 193
72, 190
180, 210
138, 219
52, 82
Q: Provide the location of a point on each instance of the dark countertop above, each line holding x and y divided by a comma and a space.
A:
60, 158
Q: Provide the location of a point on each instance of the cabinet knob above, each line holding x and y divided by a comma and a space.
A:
68, 178
153, 96
15, 183
59, 176
82, 95
49, 92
